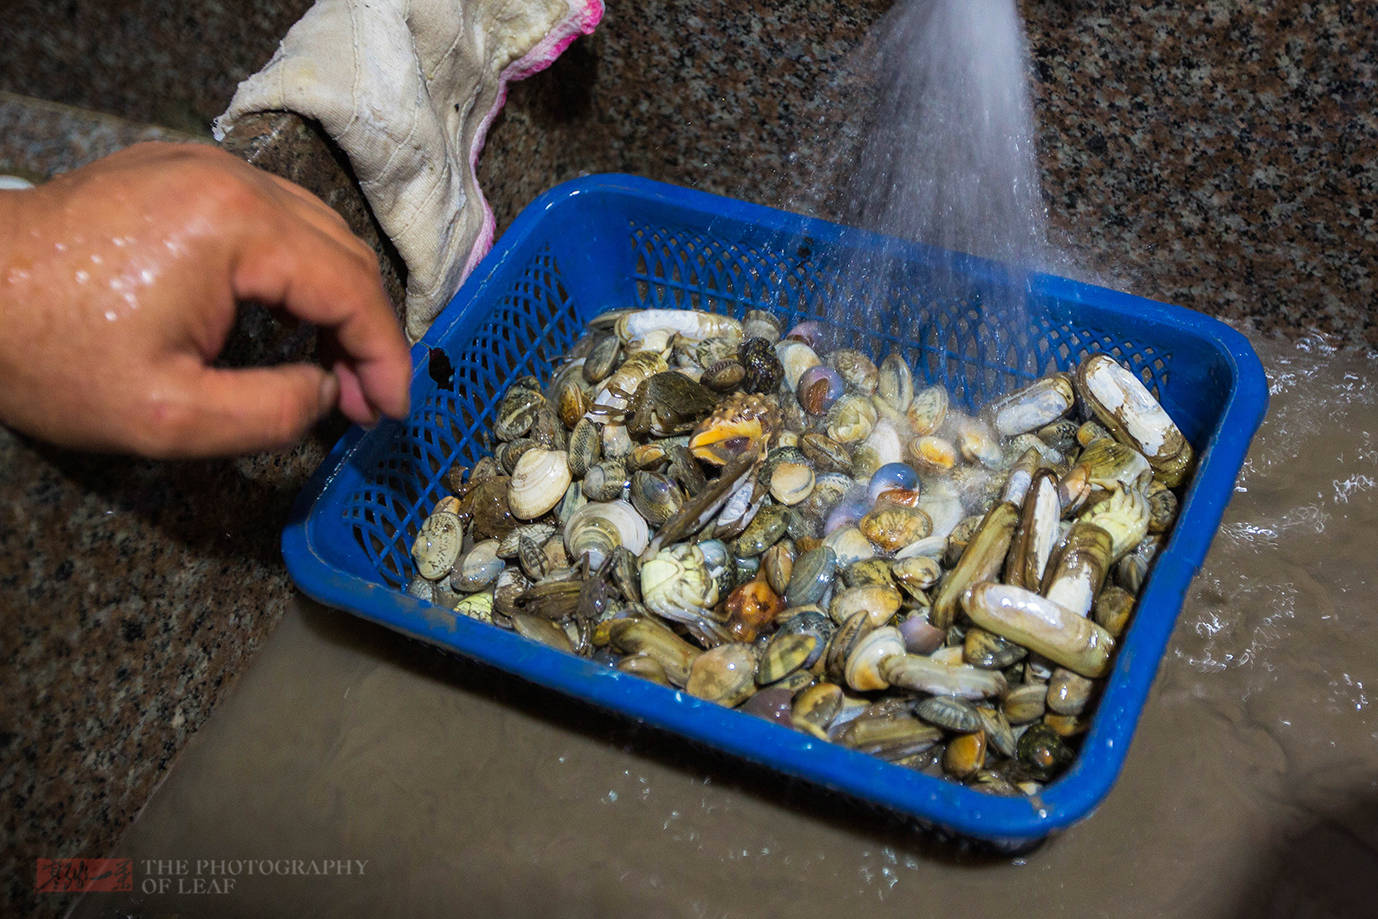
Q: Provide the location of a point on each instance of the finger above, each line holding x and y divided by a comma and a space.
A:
246, 411
340, 290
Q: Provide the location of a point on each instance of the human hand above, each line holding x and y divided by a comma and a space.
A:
118, 285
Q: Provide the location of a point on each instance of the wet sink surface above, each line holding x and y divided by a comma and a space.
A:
1251, 788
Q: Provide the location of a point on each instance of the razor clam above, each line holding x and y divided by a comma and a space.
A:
924, 674
1041, 625
1036, 405
1124, 405
981, 561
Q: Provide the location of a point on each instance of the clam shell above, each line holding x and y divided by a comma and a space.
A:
851, 419
786, 653
893, 526
850, 545
877, 601
1124, 405
585, 445
862, 671
964, 755
601, 526
510, 543
437, 546
791, 483
725, 674
815, 708
949, 712
1068, 692
538, 483
601, 360
795, 357
479, 568
1036, 405
895, 382
812, 577
928, 410
857, 370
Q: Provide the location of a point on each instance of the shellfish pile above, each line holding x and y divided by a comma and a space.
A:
798, 531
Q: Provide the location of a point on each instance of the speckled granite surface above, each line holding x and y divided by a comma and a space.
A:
1216, 154
131, 593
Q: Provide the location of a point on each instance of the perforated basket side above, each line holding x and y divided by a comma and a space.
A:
532, 324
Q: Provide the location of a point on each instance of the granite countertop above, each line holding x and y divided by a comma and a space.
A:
1215, 155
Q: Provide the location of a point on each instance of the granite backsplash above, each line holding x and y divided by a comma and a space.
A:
1218, 155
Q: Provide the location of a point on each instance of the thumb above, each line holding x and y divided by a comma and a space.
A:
260, 408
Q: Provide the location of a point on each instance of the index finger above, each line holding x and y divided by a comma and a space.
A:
336, 286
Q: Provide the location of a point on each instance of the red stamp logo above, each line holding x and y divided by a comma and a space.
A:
83, 875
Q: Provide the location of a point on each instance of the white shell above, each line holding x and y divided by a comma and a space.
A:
601, 526
539, 482
795, 357
885, 440
437, 545
850, 545
791, 483
862, 669
694, 325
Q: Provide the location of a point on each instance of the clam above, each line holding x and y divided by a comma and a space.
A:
585, 443
437, 546
656, 497
850, 545
826, 454
479, 568
811, 577
1109, 463
989, 651
532, 559
791, 483
916, 575
879, 602
1124, 405
976, 442
1040, 403
725, 674
1077, 571
885, 443
1025, 702
895, 382
605, 481
851, 419
862, 671
761, 324
601, 526
810, 332
536, 532
920, 636
1041, 625
1033, 540
890, 477
795, 357
601, 360
893, 526
516, 412
818, 388
773, 703
928, 410
786, 653
644, 666
930, 453
1068, 692
724, 376
964, 755
857, 370
538, 483
777, 564
540, 629
815, 708
476, 606
1112, 609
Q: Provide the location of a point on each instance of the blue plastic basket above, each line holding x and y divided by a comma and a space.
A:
618, 241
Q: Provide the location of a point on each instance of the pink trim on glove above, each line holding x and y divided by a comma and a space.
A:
537, 59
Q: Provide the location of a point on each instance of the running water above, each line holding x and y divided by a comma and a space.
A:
949, 154
938, 150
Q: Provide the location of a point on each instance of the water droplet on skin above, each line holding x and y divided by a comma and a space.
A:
81, 276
